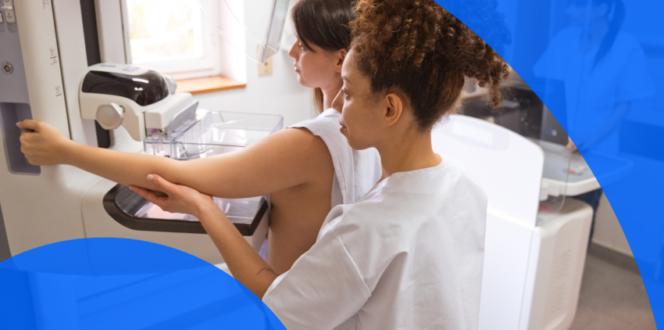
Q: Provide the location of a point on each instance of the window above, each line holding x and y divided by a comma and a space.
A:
173, 37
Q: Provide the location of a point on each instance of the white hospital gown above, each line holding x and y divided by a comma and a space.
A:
406, 256
355, 171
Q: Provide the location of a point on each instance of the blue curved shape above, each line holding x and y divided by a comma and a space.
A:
596, 64
115, 283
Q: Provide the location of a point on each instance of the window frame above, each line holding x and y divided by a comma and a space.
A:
208, 65
114, 41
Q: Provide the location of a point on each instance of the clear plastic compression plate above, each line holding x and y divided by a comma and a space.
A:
213, 133
201, 135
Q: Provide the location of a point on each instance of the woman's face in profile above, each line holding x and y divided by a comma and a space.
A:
315, 66
581, 12
360, 118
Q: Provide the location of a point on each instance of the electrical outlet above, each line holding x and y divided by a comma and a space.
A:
265, 69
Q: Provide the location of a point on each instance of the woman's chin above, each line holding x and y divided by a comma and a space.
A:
304, 83
353, 144
301, 81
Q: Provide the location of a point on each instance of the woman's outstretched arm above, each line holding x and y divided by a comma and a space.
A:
285, 159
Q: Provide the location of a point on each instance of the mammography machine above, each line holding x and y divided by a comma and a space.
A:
51, 58
534, 251
46, 77
533, 259
536, 238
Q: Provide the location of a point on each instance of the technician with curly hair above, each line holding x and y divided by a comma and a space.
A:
409, 254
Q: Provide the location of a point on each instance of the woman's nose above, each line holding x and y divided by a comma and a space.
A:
293, 51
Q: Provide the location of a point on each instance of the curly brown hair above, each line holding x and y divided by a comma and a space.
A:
421, 50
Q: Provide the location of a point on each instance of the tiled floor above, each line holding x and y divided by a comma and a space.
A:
612, 298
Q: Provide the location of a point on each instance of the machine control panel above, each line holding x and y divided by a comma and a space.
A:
8, 11
9, 14
14, 100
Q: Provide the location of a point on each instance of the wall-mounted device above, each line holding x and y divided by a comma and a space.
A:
45, 76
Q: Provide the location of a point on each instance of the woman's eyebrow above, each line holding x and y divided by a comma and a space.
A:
345, 78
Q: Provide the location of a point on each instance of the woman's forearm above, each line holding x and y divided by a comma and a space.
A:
283, 160
122, 167
244, 263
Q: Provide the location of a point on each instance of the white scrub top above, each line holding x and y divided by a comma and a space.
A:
406, 256
355, 171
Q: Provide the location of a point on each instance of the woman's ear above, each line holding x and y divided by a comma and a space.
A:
394, 108
341, 56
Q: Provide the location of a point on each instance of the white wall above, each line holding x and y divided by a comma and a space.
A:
279, 93
608, 232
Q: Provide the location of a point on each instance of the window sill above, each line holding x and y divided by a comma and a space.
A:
208, 85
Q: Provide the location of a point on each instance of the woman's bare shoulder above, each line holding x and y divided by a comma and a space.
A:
301, 140
297, 147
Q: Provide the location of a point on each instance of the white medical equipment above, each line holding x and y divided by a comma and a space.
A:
276, 29
532, 271
273, 39
44, 67
537, 238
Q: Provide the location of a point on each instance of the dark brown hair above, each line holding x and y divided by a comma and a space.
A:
324, 23
421, 50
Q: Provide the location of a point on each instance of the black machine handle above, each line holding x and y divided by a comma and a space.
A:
134, 202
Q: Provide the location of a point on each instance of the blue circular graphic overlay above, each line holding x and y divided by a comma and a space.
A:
114, 283
606, 93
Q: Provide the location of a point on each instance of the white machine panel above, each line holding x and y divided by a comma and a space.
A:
71, 42
515, 162
35, 199
532, 269
506, 256
556, 264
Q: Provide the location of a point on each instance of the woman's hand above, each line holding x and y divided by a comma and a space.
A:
582, 146
178, 199
570, 145
244, 263
42, 144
